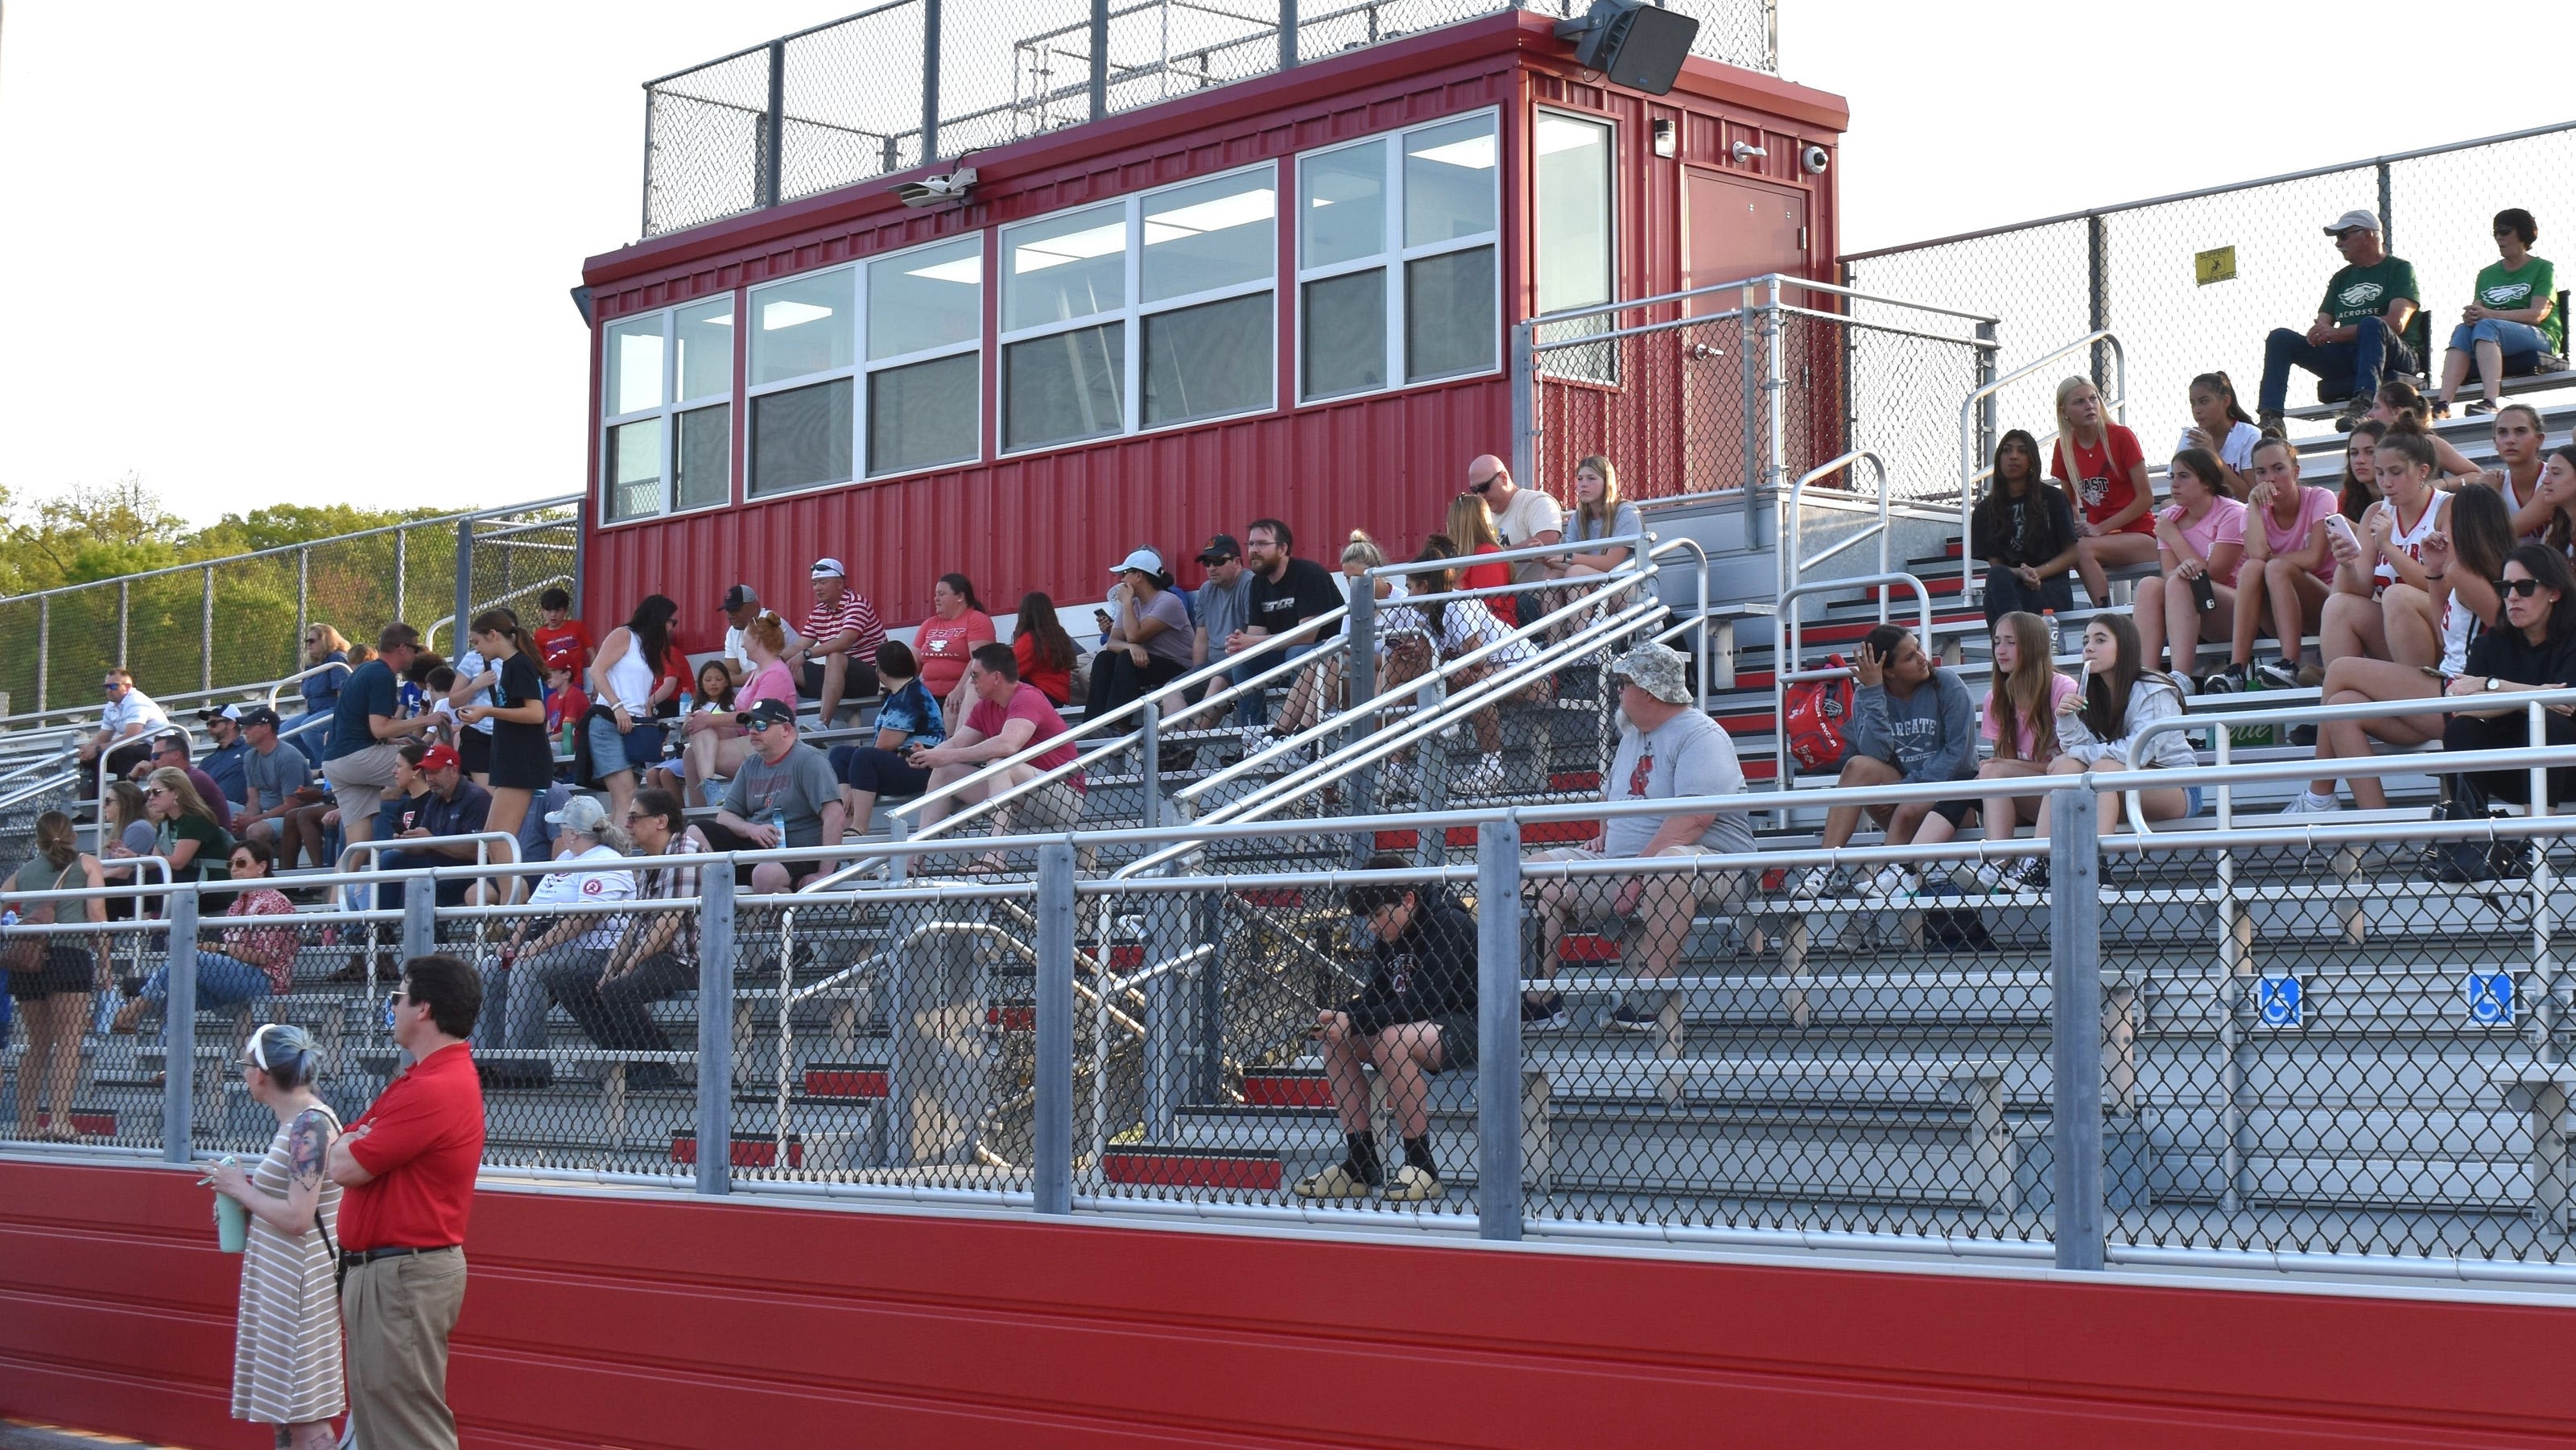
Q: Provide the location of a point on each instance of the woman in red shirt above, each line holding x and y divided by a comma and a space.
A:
1471, 532
1044, 650
956, 625
2107, 484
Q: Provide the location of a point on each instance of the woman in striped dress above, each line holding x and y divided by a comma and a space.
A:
286, 1355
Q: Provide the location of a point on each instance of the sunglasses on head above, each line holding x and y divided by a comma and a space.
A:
2520, 588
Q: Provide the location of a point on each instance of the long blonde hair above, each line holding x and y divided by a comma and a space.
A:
2066, 430
1608, 508
182, 789
1471, 527
320, 649
2025, 693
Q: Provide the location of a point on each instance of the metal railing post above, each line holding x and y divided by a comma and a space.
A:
124, 614
464, 586
2097, 305
178, 1030
303, 603
206, 633
45, 645
2387, 205
1288, 41
929, 80
1099, 59
420, 918
1149, 754
1361, 673
1051, 1155
1525, 419
715, 1030
773, 126
2075, 1025
1498, 1029
1985, 380
402, 573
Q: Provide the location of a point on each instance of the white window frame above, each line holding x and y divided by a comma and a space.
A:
1608, 321
668, 411
867, 366
852, 273
1395, 256
1132, 315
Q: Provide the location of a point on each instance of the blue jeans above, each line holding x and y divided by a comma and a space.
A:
613, 750
222, 981
1254, 708
515, 998
2521, 342
390, 894
2359, 362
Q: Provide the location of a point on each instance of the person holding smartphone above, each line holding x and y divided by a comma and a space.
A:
909, 720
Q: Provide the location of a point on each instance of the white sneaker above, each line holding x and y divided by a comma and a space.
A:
2306, 804
1893, 883
1485, 779
1815, 881
1998, 875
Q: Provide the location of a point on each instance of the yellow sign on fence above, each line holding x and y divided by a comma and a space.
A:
2218, 264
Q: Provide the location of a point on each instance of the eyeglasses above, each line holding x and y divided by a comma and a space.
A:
111, 686
150, 791
634, 816
2520, 588
1478, 486
397, 997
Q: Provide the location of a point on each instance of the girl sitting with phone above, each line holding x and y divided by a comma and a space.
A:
2383, 605
2200, 541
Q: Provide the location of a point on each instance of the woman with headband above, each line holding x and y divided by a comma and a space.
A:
286, 1353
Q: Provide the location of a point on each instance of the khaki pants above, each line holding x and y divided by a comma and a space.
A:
358, 782
398, 1312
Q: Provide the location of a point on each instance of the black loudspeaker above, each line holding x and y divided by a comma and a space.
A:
1638, 46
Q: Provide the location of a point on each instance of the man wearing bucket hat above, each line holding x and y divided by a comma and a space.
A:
2360, 328
1668, 750
1149, 634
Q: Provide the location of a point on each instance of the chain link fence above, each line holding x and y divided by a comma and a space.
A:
811, 111
2195, 283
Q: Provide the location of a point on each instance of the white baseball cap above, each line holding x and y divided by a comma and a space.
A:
2357, 219
1143, 559
829, 569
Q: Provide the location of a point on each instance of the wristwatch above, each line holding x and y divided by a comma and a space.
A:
2493, 683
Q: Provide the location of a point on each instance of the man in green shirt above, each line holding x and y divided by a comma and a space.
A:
2511, 320
2360, 327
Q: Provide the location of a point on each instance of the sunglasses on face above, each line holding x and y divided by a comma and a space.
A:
2520, 588
150, 791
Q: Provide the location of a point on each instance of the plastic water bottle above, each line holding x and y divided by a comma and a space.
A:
2056, 641
688, 702
777, 819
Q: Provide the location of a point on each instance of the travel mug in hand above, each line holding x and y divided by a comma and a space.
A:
2205, 590
232, 1222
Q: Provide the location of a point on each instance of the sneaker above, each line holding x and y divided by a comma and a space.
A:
1485, 779
1893, 883
2441, 409
1998, 875
1546, 1015
2306, 804
1339, 1181
1811, 883
2354, 410
1408, 1184
1631, 1018
2181, 682
2269, 421
2478, 409
2280, 674
2228, 681
2303, 735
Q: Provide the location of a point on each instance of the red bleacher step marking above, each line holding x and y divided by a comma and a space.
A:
1586, 947
1126, 957
747, 1152
840, 1080
95, 1124
1278, 1089
1191, 1168
1012, 1017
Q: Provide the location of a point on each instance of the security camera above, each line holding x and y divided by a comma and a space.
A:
1814, 159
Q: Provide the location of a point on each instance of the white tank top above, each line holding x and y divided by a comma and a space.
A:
2459, 626
2516, 503
2409, 541
630, 679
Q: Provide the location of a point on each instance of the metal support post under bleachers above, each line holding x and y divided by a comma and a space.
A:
420, 919
2075, 1026
1498, 1029
715, 1030
1149, 757
1174, 1041
178, 1029
1051, 1155
1361, 672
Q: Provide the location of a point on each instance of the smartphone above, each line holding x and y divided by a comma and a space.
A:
2433, 672
2341, 528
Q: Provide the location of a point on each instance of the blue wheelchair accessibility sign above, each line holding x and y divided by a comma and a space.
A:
2490, 997
2280, 1002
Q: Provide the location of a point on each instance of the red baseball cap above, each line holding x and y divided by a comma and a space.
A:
441, 757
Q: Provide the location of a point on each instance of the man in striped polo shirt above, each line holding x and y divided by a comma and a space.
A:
837, 658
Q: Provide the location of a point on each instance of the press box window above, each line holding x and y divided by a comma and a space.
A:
1575, 258
1396, 254
667, 411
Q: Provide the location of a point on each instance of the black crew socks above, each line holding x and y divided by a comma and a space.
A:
1362, 1160
1417, 1154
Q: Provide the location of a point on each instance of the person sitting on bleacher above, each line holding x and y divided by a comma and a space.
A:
784, 795
910, 716
2383, 605
1416, 1016
521, 979
1418, 639
655, 955
2019, 723
2025, 532
247, 963
122, 722
450, 815
2510, 320
2104, 473
1668, 750
2533, 649
2463, 567
2399, 399
1009, 716
2118, 699
2360, 328
2558, 490
2289, 565
2219, 425
2200, 541
2519, 438
1911, 722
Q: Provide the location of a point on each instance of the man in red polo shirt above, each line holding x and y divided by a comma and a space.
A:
408, 1165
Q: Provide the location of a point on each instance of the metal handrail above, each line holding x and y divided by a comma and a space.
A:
98, 785
1790, 570
2537, 702
1783, 279
1500, 556
1973, 471
1785, 670
1699, 619
300, 675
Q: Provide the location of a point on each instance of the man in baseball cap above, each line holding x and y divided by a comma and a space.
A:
277, 782
837, 658
441, 834
741, 607
2360, 330
783, 794
224, 762
1668, 750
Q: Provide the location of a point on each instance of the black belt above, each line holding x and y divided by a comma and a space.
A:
357, 1257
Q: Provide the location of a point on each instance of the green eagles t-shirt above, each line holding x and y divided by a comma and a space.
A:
2358, 292
2537, 282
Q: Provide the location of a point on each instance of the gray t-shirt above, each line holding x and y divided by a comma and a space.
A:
1580, 528
275, 776
1224, 610
799, 785
1174, 642
1688, 755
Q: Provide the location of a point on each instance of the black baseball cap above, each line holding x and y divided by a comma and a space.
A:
738, 596
765, 714
1220, 547
259, 715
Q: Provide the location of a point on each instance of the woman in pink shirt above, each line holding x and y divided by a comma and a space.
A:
2019, 726
956, 625
2288, 564
2199, 536
716, 751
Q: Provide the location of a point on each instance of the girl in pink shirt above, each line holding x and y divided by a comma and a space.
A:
2019, 725
2201, 535
2289, 565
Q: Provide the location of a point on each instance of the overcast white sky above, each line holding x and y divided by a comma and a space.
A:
320, 253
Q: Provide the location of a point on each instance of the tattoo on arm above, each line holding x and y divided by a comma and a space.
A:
306, 1143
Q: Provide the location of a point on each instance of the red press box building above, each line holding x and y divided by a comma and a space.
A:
1290, 295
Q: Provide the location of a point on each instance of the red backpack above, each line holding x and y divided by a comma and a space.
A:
1816, 712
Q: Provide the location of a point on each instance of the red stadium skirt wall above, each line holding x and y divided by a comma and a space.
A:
648, 1322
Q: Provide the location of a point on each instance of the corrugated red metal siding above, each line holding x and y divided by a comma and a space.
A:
1056, 520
